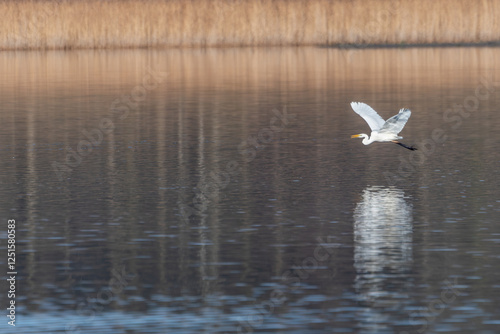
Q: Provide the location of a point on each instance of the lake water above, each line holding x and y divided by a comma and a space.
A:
219, 191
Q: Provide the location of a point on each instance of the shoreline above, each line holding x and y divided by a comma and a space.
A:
350, 47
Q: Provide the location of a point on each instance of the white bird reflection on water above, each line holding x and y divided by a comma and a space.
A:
382, 252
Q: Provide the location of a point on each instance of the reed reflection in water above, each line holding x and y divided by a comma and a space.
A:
119, 209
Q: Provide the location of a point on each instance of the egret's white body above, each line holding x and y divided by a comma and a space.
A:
382, 131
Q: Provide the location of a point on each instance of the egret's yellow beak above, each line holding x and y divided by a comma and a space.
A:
355, 136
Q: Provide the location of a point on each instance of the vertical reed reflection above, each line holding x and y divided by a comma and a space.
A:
121, 203
162, 205
31, 199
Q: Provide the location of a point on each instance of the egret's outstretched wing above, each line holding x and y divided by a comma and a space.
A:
397, 122
369, 115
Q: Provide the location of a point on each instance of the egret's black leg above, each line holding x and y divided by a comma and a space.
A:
408, 147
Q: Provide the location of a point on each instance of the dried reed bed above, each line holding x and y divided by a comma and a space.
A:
183, 23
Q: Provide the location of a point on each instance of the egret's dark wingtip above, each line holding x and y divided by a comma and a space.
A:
405, 146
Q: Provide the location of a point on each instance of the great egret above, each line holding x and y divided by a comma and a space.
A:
382, 131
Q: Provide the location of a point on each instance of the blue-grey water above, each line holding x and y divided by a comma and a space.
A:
219, 191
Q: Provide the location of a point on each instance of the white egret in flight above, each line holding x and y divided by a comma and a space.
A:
382, 131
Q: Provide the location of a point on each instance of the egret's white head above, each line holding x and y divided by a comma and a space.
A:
364, 136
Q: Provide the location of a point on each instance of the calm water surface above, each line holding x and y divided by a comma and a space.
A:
218, 191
